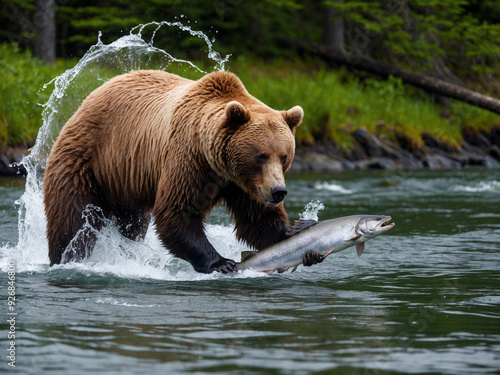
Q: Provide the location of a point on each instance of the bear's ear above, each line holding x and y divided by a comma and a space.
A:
236, 113
293, 117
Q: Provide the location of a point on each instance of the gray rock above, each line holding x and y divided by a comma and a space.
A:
298, 166
4, 161
491, 162
361, 164
494, 151
9, 166
368, 142
382, 163
321, 162
17, 157
410, 162
437, 161
475, 159
433, 142
477, 139
462, 159
348, 165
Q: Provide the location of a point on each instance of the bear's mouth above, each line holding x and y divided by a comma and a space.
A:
269, 202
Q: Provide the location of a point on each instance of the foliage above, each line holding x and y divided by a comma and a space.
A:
423, 33
20, 94
337, 103
446, 38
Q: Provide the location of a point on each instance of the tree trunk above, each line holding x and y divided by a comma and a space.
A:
430, 84
44, 20
333, 27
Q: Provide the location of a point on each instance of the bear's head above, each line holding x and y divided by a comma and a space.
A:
258, 147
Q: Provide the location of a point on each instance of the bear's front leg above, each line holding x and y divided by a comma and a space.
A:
185, 238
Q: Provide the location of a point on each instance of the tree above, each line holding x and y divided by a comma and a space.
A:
425, 82
45, 40
437, 36
333, 26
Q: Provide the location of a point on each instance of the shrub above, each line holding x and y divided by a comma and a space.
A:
21, 95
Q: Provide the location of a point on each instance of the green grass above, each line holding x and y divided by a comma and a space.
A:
335, 102
20, 94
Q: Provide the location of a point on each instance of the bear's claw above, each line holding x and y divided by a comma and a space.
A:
312, 257
224, 266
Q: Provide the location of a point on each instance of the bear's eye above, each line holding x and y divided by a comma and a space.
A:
284, 158
261, 158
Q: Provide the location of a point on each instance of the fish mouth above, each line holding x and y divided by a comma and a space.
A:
386, 225
269, 202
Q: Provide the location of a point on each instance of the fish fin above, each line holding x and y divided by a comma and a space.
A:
354, 238
300, 225
282, 269
247, 254
359, 248
295, 268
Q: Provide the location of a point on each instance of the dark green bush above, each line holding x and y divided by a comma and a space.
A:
21, 94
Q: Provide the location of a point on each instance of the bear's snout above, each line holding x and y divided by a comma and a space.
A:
278, 193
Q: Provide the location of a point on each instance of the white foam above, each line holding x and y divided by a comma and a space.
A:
116, 302
478, 187
324, 185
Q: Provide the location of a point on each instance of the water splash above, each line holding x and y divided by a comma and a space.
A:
212, 54
100, 63
311, 210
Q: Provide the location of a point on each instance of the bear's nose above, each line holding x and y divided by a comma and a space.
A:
279, 193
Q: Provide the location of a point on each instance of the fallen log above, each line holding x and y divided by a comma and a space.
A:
425, 82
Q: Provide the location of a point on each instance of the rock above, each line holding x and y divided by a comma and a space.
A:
322, 163
361, 164
17, 157
355, 153
4, 161
376, 163
433, 142
437, 161
475, 159
382, 163
494, 136
9, 164
408, 161
368, 142
476, 139
494, 151
298, 165
491, 162
348, 165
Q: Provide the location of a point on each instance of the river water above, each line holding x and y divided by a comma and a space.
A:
423, 298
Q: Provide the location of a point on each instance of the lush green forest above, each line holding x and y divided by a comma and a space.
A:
457, 41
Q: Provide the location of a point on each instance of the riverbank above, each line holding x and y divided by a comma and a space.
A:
10, 157
351, 122
374, 152
367, 152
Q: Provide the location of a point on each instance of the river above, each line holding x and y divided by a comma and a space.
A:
423, 298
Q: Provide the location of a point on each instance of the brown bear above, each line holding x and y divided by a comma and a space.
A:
150, 142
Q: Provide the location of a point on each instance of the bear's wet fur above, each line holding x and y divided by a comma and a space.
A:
150, 142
